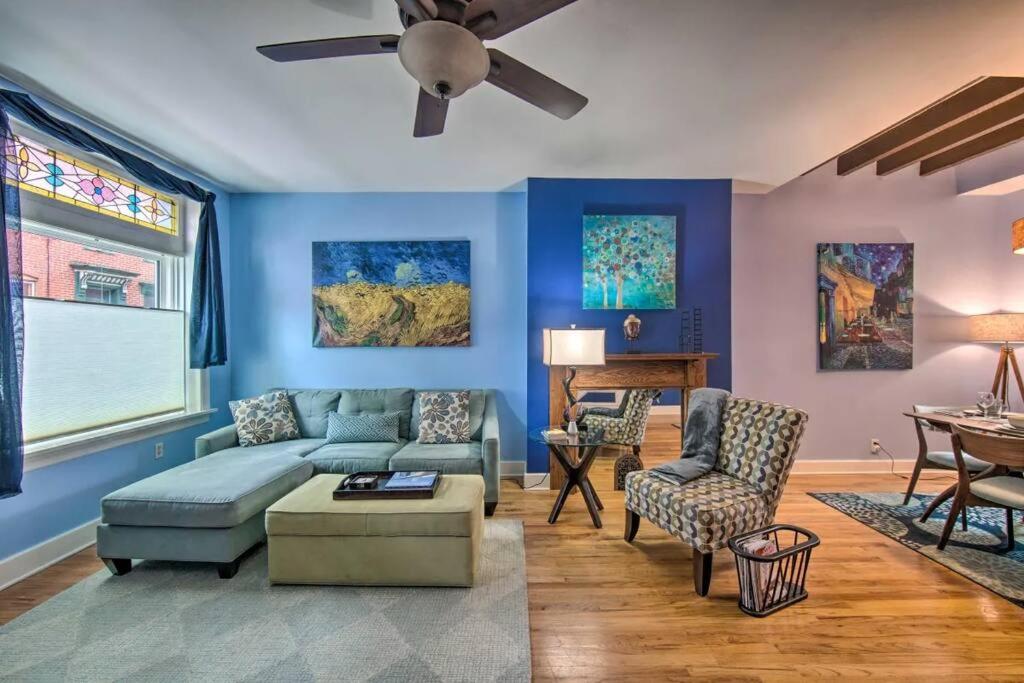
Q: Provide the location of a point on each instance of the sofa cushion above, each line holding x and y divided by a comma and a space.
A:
477, 399
219, 491
346, 458
369, 427
264, 419
297, 448
458, 458
360, 401
312, 406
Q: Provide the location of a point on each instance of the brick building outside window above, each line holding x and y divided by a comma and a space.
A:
59, 269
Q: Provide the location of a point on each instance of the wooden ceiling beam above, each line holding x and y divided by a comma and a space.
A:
993, 140
1005, 111
945, 112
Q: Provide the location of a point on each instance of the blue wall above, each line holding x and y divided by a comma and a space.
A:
64, 496
271, 280
555, 208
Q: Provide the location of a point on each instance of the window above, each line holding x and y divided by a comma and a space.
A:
104, 334
24, 287
35, 167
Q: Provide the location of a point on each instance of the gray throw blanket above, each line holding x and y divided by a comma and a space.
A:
700, 440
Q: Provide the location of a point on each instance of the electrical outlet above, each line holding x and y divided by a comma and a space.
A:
159, 451
876, 446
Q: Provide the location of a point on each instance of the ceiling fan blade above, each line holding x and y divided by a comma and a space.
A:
422, 10
329, 47
430, 115
531, 85
490, 19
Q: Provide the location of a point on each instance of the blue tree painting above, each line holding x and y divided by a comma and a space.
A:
629, 262
391, 293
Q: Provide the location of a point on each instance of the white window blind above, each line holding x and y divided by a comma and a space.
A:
94, 365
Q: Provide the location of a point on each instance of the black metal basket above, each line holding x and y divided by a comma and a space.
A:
775, 579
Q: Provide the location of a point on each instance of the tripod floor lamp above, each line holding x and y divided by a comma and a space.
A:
1004, 329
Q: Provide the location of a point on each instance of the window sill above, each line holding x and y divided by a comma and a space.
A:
53, 451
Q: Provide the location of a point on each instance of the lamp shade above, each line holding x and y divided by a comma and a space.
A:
997, 328
1018, 236
573, 346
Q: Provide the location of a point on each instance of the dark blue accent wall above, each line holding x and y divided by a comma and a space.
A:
555, 209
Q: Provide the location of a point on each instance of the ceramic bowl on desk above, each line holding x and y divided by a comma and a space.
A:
1016, 420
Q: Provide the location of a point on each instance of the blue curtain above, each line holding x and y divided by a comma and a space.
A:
11, 323
207, 338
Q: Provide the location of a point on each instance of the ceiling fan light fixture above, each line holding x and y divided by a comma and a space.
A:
445, 58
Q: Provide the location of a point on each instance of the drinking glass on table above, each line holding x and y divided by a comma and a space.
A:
986, 401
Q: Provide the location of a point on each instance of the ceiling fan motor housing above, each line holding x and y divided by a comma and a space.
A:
445, 58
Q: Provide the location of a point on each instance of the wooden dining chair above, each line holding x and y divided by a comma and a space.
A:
997, 486
928, 459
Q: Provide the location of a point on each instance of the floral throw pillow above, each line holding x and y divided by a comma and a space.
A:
444, 417
264, 419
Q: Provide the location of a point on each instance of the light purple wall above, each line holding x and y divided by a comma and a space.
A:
963, 265
995, 167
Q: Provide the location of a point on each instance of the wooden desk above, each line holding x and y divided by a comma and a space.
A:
683, 371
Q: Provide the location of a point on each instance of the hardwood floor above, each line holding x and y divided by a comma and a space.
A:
601, 609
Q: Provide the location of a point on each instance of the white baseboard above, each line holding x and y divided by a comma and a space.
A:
37, 558
537, 481
513, 470
867, 466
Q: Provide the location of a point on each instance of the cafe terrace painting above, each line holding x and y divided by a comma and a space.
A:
865, 306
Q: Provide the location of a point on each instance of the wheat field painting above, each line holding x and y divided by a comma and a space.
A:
391, 293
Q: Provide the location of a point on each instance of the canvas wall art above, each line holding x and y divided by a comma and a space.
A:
629, 262
865, 306
391, 293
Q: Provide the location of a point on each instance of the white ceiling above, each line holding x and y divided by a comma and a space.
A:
757, 90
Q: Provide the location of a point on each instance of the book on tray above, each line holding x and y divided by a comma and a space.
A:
411, 480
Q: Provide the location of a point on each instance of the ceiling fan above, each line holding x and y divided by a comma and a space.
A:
442, 49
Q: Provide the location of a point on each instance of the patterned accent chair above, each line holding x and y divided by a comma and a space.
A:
625, 425
758, 445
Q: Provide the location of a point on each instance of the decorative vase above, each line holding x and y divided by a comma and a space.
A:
572, 430
631, 330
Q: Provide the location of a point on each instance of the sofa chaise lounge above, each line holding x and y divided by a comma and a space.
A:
212, 508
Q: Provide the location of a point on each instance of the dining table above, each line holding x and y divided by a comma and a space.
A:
944, 421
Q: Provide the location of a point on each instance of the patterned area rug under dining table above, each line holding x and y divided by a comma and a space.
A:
179, 622
976, 553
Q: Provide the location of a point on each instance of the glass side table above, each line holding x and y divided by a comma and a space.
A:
575, 455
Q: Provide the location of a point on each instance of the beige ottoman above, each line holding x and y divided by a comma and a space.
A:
313, 538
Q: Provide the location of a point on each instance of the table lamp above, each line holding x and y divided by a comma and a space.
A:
572, 347
1003, 329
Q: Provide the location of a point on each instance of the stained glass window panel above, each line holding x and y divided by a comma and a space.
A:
36, 168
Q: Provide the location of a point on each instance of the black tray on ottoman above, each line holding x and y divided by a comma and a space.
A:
349, 490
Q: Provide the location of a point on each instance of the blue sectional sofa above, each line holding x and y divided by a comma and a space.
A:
211, 509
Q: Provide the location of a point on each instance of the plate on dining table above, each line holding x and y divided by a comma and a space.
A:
1010, 429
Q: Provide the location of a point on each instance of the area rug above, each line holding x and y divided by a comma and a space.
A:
971, 553
179, 622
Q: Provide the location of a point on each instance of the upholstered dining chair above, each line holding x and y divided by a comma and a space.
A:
928, 459
997, 486
741, 493
625, 425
